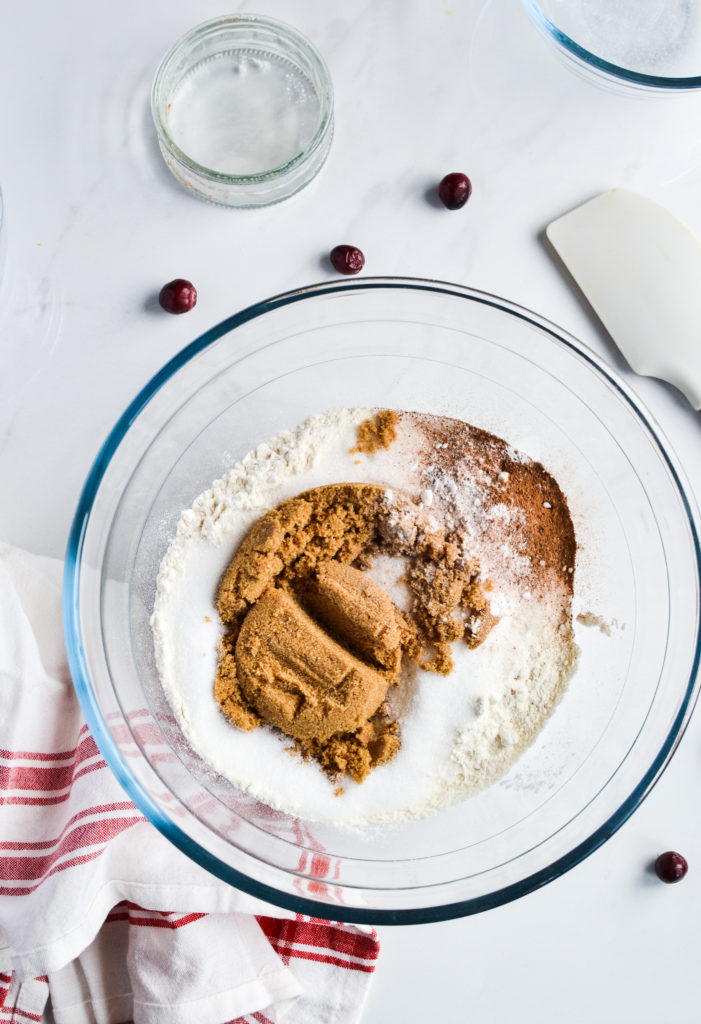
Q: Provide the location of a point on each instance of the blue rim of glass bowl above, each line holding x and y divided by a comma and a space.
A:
605, 67
107, 745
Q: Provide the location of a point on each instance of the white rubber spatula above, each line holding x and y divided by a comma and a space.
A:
640, 268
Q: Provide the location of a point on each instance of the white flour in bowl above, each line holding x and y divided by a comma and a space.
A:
459, 732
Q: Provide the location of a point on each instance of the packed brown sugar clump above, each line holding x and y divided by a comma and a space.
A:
377, 432
313, 644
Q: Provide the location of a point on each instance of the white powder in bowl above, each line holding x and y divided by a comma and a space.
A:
458, 732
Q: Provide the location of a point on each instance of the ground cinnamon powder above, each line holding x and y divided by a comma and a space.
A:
539, 522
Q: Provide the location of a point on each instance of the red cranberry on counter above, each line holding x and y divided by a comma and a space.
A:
178, 296
454, 190
347, 259
671, 866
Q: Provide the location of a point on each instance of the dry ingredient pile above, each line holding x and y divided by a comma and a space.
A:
370, 616
313, 643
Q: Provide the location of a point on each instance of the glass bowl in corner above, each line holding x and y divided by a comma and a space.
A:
434, 348
651, 46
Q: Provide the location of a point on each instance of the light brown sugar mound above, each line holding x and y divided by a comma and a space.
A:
313, 643
377, 432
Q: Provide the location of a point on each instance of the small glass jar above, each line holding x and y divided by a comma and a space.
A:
243, 107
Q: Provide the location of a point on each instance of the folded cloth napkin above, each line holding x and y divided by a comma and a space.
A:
100, 911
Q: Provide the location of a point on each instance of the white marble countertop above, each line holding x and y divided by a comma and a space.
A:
95, 225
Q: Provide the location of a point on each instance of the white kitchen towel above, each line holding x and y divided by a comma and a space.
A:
99, 909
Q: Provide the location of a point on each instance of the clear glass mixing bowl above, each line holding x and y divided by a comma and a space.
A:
639, 45
433, 347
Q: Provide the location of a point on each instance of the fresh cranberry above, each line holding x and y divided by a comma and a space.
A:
454, 190
346, 259
178, 296
671, 866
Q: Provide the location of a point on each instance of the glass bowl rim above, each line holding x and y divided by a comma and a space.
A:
115, 760
615, 71
326, 100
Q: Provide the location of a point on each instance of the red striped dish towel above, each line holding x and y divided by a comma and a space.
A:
97, 909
